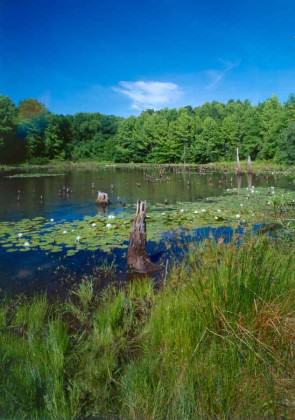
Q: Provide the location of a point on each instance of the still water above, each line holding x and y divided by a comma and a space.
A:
46, 196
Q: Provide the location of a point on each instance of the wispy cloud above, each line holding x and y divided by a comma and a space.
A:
150, 94
217, 76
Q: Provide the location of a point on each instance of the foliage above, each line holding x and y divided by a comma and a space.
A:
287, 143
9, 146
207, 133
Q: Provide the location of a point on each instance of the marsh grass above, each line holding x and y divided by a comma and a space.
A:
217, 341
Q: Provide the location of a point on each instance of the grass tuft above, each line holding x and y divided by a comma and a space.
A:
216, 341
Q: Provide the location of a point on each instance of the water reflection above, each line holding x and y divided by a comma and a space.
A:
239, 182
22, 197
37, 271
250, 180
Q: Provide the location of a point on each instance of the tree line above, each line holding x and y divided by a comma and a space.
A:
207, 133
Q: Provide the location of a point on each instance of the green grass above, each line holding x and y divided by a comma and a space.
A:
217, 341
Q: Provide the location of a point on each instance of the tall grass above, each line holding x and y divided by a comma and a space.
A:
217, 341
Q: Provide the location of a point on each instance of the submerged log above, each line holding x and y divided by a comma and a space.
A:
238, 167
138, 259
102, 198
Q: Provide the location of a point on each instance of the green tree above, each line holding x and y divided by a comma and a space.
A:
208, 142
229, 137
8, 141
124, 141
287, 144
272, 121
182, 133
32, 122
7, 118
156, 135
290, 108
53, 139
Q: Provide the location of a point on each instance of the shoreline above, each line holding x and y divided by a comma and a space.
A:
219, 167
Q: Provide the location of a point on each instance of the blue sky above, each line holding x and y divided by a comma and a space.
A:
120, 57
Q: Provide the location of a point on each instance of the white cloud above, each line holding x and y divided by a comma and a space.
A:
149, 94
217, 76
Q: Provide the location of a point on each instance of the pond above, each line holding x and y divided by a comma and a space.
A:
45, 214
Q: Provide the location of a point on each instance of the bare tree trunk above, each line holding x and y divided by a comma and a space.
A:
138, 259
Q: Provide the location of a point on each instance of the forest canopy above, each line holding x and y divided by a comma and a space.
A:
29, 132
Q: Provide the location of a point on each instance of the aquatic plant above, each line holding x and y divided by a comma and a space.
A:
233, 208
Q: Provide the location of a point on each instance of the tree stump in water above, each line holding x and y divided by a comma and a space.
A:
238, 167
138, 259
249, 166
102, 198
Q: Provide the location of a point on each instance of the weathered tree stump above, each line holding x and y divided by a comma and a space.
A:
249, 165
238, 167
102, 198
138, 259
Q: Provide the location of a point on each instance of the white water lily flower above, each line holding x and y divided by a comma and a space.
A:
238, 216
181, 210
111, 216
163, 214
78, 238
218, 211
216, 217
64, 232
52, 220
93, 224
203, 210
196, 211
26, 244
241, 205
108, 225
19, 235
